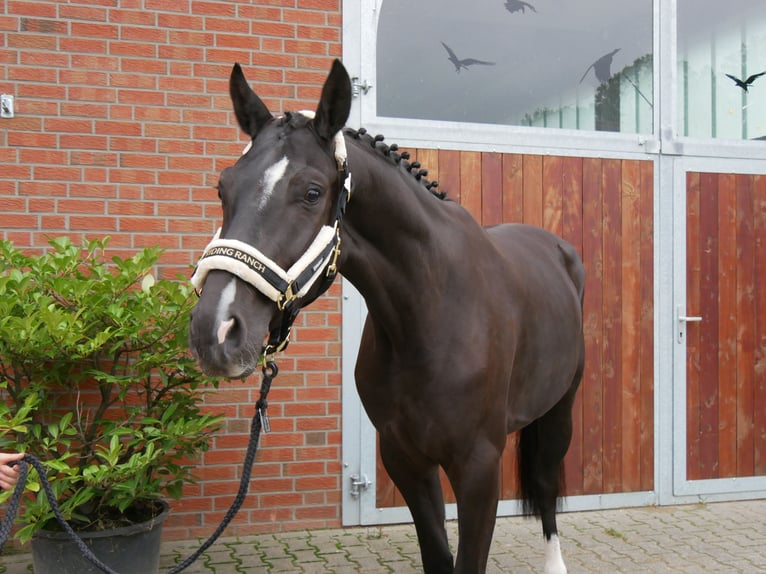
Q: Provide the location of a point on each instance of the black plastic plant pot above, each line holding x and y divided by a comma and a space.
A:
133, 549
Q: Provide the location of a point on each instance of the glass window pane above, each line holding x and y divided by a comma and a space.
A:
721, 54
549, 63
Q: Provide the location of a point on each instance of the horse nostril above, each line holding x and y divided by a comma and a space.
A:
224, 329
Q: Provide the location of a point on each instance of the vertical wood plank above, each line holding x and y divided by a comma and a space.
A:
385, 491
727, 328
693, 250
572, 209
708, 387
552, 194
647, 325
630, 320
513, 188
533, 190
747, 258
592, 391
612, 343
470, 182
429, 160
509, 486
447, 492
572, 231
759, 339
491, 188
449, 173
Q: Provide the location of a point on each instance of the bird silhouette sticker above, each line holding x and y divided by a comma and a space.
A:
518, 6
745, 84
464, 63
602, 68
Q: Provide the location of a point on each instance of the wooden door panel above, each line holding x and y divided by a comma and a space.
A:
726, 351
604, 207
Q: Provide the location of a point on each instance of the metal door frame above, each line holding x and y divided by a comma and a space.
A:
677, 488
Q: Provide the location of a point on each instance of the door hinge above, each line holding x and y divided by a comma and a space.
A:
358, 484
359, 87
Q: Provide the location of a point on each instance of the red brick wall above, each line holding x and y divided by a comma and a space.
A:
122, 124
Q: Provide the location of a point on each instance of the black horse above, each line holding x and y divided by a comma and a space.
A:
472, 333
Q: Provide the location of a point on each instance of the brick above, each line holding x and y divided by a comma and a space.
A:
43, 156
57, 173
180, 21
80, 126
17, 204
81, 206
143, 35
32, 41
44, 59
325, 5
318, 33
132, 175
238, 26
143, 144
118, 15
91, 223
192, 53
91, 158
42, 188
125, 128
92, 13
81, 141
87, 29
191, 37
144, 208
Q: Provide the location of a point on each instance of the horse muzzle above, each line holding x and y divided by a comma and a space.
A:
227, 327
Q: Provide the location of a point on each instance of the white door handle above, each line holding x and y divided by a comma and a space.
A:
682, 320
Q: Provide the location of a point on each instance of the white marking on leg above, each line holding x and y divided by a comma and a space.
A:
224, 320
554, 563
270, 179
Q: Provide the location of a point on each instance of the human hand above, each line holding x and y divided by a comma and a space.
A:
9, 475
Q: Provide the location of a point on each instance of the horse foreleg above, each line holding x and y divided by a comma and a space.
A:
475, 480
419, 484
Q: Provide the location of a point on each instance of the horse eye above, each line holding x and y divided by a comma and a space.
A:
313, 195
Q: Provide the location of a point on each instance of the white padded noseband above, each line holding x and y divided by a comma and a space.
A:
250, 265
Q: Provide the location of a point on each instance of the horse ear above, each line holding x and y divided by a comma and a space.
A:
335, 103
252, 114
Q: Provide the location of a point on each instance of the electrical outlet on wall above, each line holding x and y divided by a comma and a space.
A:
6, 106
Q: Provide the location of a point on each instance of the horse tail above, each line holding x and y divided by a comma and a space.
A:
574, 267
535, 492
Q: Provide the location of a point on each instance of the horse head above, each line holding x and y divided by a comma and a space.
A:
280, 234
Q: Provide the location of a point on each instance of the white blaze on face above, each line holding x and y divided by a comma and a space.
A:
224, 320
270, 179
554, 563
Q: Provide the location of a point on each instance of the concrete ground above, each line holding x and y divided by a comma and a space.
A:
724, 537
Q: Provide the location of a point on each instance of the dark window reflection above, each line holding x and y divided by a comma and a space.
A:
721, 56
583, 64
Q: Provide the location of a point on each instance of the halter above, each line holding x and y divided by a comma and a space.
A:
284, 287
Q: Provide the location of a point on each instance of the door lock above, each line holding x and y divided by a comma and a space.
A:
359, 482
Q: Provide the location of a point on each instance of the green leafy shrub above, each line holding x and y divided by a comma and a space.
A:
96, 381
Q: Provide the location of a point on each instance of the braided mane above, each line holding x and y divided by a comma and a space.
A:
391, 152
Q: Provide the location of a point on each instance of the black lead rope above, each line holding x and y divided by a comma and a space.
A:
260, 422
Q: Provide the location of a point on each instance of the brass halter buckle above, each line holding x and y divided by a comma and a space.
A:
332, 268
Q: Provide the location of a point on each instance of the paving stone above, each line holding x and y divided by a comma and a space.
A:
727, 537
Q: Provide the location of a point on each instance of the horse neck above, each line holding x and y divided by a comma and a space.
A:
390, 237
